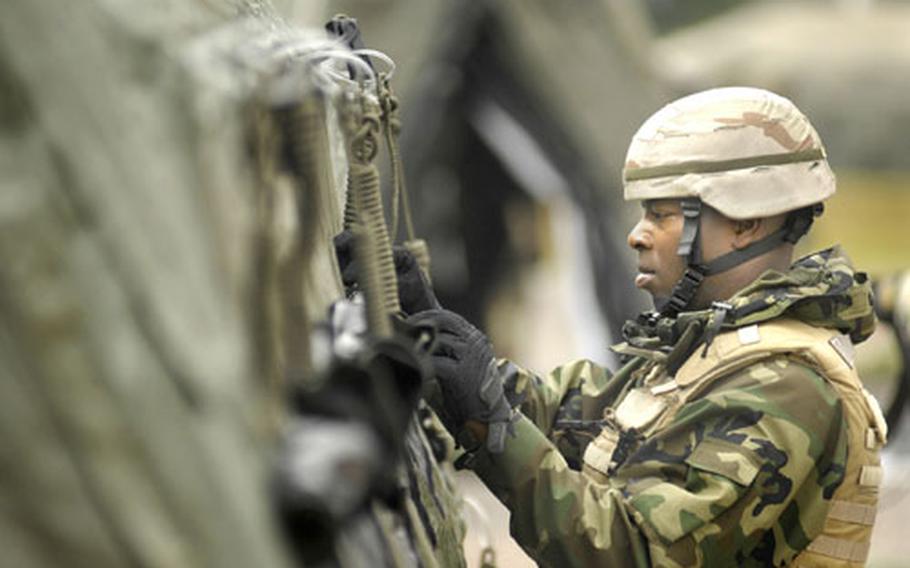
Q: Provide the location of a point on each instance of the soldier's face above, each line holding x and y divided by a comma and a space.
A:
655, 238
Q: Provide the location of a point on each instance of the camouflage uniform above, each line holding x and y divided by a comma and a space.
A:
741, 473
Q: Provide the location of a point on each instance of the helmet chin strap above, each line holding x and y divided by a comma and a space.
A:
686, 287
797, 224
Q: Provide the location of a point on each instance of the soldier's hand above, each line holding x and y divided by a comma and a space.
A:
415, 294
470, 385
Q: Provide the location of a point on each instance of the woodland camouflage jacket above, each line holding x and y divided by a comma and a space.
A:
666, 499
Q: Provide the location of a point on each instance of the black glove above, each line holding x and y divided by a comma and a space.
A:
414, 291
470, 385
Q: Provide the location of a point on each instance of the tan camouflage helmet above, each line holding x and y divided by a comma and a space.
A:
744, 151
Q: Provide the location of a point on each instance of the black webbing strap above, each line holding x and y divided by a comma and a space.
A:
686, 287
720, 312
683, 291
688, 240
733, 258
797, 225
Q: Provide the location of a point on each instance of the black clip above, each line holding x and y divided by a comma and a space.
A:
721, 309
345, 29
684, 290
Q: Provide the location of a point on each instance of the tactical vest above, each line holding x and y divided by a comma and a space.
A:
845, 537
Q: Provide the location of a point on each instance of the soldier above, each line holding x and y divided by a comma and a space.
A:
737, 430
892, 305
892, 301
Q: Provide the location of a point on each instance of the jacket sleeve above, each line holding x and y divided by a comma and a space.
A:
742, 476
558, 394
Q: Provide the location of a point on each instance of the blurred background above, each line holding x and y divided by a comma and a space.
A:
516, 118
150, 278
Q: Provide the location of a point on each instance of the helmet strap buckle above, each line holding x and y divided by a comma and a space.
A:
684, 291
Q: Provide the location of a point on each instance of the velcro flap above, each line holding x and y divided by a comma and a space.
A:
856, 513
870, 476
871, 439
839, 548
730, 460
639, 408
879, 422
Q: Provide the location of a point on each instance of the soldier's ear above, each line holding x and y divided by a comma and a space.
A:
746, 232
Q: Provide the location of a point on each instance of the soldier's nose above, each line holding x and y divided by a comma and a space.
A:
638, 238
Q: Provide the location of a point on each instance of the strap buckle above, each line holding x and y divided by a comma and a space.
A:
684, 290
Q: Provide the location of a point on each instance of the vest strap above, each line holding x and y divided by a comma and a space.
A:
872, 437
856, 513
840, 548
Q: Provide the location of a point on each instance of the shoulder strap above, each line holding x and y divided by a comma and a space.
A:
825, 349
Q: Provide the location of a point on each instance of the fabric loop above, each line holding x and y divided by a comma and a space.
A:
856, 513
839, 548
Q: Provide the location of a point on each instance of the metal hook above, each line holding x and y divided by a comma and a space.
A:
375, 53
